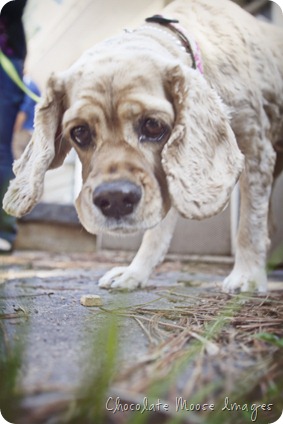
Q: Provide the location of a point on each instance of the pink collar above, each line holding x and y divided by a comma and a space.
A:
187, 40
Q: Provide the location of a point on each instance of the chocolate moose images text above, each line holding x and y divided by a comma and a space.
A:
115, 405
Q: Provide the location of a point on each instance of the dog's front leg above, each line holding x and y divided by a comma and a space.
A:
249, 273
154, 247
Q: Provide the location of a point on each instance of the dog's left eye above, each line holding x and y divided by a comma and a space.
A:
152, 130
81, 135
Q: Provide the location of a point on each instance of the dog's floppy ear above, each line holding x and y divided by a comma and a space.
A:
46, 149
201, 159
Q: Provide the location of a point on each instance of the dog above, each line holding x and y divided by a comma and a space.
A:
165, 120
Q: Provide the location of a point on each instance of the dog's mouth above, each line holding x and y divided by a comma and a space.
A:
117, 207
121, 226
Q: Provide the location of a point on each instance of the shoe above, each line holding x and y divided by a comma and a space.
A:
5, 246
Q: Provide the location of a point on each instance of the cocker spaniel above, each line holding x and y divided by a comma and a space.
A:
165, 119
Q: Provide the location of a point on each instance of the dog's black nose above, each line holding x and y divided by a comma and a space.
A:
117, 198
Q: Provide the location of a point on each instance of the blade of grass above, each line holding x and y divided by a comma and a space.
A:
92, 393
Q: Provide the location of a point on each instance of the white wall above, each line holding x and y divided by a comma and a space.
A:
58, 31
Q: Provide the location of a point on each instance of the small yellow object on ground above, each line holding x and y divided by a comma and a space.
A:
91, 300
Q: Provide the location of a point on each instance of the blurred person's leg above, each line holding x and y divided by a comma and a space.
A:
10, 100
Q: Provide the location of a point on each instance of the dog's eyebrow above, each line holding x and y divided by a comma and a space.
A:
144, 104
84, 110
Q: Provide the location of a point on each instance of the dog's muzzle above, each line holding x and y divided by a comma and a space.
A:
116, 199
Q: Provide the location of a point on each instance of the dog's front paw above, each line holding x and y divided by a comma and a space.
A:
239, 281
122, 278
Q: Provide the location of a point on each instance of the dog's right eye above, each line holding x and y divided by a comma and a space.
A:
81, 135
153, 130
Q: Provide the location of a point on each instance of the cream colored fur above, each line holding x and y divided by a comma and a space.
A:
229, 116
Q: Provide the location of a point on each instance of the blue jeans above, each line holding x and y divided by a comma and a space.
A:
11, 97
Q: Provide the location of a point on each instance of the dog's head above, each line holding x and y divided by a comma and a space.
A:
150, 133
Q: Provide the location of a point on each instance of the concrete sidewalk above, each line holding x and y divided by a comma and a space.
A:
40, 294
